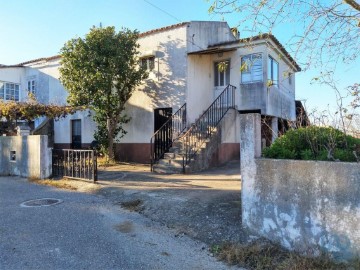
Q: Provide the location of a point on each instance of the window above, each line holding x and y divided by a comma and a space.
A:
31, 86
273, 72
251, 68
9, 91
2, 90
222, 73
148, 62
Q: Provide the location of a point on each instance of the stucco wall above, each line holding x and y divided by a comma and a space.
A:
33, 157
308, 206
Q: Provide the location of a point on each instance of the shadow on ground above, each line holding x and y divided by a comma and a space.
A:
205, 206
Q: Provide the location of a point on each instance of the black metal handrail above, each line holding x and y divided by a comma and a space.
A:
206, 124
162, 139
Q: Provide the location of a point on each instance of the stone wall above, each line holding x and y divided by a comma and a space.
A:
307, 206
26, 156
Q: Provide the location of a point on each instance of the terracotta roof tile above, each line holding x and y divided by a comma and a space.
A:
163, 29
40, 59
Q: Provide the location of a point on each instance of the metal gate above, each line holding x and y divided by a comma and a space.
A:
77, 164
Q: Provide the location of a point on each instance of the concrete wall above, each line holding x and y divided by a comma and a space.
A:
32, 156
201, 34
307, 206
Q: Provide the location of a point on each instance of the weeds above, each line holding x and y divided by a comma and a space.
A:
62, 183
134, 205
261, 255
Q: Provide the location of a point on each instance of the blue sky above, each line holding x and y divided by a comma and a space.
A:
39, 28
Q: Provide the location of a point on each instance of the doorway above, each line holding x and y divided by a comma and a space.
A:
76, 134
163, 137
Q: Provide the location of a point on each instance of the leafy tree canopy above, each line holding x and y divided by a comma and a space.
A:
101, 71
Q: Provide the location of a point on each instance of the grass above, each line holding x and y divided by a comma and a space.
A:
105, 162
61, 183
262, 255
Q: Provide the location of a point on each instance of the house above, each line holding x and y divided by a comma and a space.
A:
189, 63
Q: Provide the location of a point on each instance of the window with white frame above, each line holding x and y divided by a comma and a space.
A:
251, 68
31, 86
273, 72
222, 73
9, 91
148, 62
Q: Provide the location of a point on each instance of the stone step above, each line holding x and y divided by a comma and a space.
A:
169, 155
177, 162
166, 169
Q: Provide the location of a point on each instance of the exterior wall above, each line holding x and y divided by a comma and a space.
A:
33, 157
62, 129
278, 101
201, 34
165, 87
307, 206
200, 93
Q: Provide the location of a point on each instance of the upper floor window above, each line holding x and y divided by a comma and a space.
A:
148, 62
251, 68
222, 73
273, 72
9, 91
31, 86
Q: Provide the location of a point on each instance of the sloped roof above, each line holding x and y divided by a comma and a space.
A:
162, 29
260, 37
31, 61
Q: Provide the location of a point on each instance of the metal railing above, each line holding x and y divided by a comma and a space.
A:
162, 139
206, 124
77, 164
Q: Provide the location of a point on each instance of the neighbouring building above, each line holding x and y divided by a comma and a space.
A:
191, 62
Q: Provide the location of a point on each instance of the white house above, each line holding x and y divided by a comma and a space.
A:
190, 62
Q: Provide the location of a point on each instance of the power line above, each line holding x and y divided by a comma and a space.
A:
167, 13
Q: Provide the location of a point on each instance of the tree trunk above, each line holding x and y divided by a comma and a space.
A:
109, 127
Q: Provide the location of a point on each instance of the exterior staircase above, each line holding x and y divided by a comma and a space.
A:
192, 148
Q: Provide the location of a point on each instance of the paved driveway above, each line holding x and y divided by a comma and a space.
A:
86, 232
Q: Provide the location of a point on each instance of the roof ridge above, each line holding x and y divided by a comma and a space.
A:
39, 59
161, 29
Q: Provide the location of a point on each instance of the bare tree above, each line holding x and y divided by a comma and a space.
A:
325, 31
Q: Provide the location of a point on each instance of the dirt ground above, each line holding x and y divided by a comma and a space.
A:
205, 206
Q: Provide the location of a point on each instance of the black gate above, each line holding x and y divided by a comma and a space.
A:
78, 164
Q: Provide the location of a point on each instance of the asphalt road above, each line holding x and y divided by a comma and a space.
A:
86, 232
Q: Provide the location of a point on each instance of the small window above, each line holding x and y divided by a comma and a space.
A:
31, 86
290, 78
9, 91
222, 73
12, 155
148, 62
273, 72
251, 68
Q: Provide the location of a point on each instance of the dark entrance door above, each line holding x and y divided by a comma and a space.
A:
76, 134
163, 138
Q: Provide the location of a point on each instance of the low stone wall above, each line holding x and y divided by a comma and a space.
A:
26, 156
307, 206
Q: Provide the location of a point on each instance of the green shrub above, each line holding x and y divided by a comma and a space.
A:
314, 143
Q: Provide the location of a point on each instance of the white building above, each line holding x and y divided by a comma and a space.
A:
183, 61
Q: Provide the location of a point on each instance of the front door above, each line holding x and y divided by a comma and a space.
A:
221, 76
76, 134
163, 138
